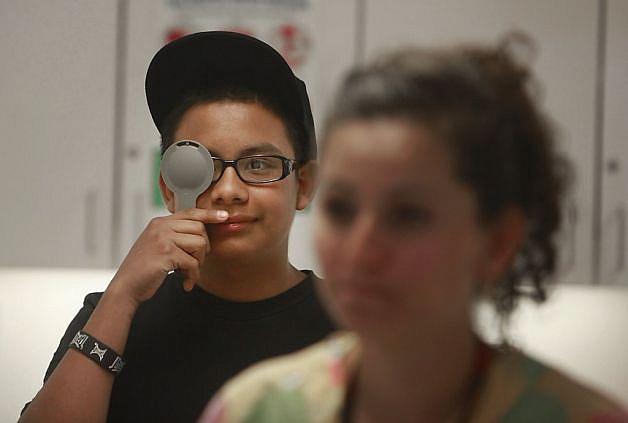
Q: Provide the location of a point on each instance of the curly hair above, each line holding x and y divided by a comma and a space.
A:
479, 101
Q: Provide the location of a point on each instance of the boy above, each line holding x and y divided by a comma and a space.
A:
155, 349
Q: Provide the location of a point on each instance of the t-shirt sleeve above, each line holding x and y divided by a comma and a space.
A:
89, 304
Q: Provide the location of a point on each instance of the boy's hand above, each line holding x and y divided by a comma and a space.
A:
178, 241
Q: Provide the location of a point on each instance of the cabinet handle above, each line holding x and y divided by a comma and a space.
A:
91, 199
139, 219
571, 223
621, 240
616, 252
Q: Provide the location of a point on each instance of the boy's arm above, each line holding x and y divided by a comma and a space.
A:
89, 304
77, 389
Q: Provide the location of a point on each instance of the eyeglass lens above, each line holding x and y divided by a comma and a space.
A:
253, 169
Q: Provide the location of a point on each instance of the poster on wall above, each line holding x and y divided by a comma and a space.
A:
284, 24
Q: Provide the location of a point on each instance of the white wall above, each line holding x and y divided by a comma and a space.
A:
36, 306
581, 330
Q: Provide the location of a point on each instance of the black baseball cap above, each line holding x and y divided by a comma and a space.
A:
200, 61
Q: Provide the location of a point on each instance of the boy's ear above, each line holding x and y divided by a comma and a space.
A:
166, 195
307, 179
506, 235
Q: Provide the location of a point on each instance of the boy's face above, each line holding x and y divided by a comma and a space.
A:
260, 215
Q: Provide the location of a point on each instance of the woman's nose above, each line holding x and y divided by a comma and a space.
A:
365, 245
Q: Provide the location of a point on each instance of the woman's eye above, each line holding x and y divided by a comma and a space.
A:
339, 210
408, 216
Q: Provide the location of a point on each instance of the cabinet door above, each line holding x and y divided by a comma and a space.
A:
565, 31
57, 122
613, 256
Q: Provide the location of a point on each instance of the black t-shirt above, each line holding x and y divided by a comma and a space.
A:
183, 346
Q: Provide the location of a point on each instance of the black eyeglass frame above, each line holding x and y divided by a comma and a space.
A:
288, 166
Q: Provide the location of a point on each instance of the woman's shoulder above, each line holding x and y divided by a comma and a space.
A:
307, 385
522, 387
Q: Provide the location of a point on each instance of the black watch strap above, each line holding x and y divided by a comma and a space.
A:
97, 351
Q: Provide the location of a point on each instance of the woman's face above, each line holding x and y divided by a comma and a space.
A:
398, 235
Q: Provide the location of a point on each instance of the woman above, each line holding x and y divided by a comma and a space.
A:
440, 186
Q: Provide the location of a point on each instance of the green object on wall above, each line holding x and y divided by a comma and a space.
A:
154, 180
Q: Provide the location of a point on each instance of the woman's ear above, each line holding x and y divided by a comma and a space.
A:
307, 180
506, 235
166, 195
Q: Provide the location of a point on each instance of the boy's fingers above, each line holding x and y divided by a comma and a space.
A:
190, 227
205, 216
191, 277
188, 284
195, 245
190, 268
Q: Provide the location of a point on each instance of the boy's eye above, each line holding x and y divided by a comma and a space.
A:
339, 210
261, 166
257, 164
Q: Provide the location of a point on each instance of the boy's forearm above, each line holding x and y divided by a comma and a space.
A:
79, 390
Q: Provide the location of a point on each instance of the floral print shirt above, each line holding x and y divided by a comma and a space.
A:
309, 386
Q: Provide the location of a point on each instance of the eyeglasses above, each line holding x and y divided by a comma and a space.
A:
256, 169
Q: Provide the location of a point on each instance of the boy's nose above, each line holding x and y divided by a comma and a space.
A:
229, 189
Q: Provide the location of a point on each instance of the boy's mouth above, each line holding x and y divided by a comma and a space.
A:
235, 223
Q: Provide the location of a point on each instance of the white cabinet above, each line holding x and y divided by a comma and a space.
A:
57, 91
351, 31
566, 33
64, 112
613, 255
